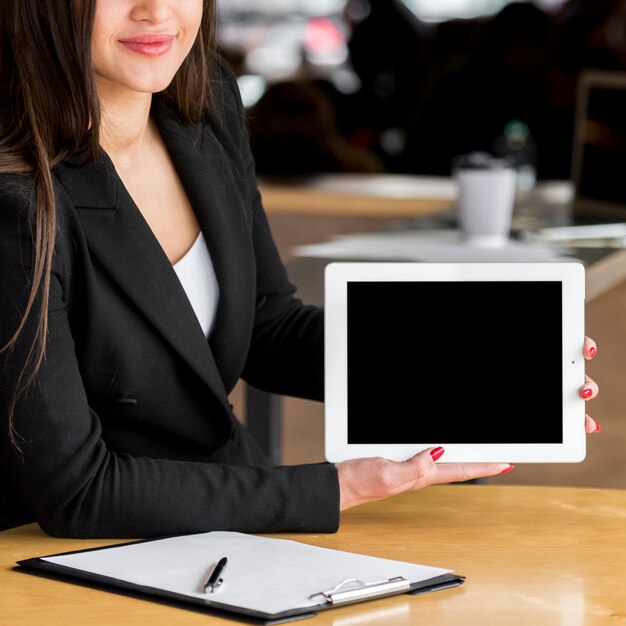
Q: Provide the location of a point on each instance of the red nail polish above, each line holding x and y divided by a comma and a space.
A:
598, 428
508, 469
592, 352
587, 393
437, 453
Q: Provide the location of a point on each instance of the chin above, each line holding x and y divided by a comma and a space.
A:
137, 80
152, 80
155, 88
149, 85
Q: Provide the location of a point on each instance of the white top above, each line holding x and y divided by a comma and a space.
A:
197, 276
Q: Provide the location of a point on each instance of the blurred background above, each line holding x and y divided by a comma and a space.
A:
402, 86
398, 88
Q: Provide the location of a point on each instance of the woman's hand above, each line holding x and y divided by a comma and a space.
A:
366, 480
590, 390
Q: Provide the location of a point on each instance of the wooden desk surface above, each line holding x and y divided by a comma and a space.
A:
540, 556
372, 195
321, 206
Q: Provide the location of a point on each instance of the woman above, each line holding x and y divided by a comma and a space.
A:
131, 232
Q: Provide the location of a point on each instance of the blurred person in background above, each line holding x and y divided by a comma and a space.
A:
502, 79
388, 51
431, 91
293, 130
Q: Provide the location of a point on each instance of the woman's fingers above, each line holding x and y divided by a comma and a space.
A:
589, 390
590, 349
366, 480
591, 426
460, 472
422, 470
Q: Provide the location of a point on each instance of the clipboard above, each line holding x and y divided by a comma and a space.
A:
250, 592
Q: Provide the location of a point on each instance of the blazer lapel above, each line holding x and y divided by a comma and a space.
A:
120, 238
208, 177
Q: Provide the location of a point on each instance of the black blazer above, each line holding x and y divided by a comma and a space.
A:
127, 430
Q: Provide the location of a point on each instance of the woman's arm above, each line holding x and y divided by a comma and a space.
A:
74, 485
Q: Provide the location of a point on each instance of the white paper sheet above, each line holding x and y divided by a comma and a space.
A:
263, 574
432, 246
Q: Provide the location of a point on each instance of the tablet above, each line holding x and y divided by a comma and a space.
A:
484, 359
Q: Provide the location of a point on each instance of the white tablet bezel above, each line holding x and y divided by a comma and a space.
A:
572, 277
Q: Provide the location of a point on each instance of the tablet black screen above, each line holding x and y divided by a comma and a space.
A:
455, 362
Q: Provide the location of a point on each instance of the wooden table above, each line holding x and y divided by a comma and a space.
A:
359, 195
540, 556
329, 203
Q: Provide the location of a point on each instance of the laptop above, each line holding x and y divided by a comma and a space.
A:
599, 148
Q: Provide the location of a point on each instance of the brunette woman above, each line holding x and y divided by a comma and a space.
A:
139, 281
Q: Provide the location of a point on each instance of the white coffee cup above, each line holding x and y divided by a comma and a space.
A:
486, 197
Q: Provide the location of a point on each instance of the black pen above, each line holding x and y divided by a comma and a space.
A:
215, 579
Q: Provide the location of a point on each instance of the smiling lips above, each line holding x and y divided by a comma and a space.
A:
150, 45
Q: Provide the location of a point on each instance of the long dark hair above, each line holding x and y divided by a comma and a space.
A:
49, 110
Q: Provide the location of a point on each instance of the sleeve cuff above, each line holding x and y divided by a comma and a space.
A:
312, 504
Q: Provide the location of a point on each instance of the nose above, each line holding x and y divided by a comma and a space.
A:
154, 11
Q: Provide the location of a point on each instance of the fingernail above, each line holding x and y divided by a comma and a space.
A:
437, 453
587, 393
508, 469
598, 428
592, 352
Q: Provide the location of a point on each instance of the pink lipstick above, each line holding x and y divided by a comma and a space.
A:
149, 44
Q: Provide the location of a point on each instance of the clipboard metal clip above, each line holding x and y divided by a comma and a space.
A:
359, 590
